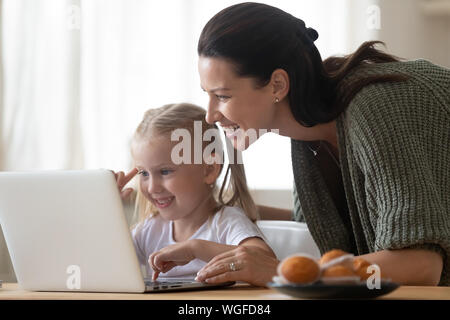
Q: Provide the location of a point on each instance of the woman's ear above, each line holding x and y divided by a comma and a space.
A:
212, 169
279, 82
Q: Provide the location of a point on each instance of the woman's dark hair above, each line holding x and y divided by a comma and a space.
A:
258, 39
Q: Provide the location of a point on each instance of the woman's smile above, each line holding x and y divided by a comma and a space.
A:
231, 131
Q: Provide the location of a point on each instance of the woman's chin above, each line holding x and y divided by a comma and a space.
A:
241, 139
242, 143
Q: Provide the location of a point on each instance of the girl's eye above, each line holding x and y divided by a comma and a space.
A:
143, 173
165, 172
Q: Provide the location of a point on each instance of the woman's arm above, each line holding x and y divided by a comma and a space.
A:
206, 250
406, 267
182, 253
271, 213
415, 267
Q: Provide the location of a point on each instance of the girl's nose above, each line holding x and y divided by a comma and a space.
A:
153, 186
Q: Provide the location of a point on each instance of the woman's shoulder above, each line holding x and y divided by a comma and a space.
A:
384, 116
424, 92
421, 74
420, 68
417, 69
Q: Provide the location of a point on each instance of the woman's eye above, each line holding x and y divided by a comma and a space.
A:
143, 173
222, 98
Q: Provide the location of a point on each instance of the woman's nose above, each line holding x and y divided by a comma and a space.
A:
212, 114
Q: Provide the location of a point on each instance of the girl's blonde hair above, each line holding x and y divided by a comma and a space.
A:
164, 120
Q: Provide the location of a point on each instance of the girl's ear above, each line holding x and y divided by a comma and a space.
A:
280, 83
212, 169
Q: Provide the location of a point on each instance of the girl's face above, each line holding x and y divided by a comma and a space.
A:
178, 191
235, 102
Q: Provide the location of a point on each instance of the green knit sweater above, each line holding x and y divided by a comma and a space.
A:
394, 156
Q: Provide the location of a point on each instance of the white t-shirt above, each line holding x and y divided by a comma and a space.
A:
228, 226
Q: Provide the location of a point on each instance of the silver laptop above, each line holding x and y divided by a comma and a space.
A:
67, 231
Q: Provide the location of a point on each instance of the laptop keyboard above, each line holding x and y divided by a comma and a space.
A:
165, 284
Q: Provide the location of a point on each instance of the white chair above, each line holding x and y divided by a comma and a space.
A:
288, 237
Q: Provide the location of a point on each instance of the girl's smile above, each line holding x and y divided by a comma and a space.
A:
162, 203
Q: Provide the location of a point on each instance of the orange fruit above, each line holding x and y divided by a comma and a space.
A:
300, 269
338, 271
331, 255
360, 266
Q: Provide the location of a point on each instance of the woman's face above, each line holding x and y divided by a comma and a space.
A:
235, 103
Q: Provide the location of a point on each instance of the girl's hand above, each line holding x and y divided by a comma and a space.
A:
252, 264
171, 256
122, 179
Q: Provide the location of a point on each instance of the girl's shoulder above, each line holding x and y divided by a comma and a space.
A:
229, 210
229, 213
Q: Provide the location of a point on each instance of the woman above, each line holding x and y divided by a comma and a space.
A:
370, 142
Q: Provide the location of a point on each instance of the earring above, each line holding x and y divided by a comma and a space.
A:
277, 100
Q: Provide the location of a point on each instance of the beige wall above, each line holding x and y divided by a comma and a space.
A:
411, 31
279, 198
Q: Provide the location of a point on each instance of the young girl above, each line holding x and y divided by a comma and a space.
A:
184, 220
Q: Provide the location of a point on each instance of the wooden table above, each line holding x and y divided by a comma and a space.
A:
11, 291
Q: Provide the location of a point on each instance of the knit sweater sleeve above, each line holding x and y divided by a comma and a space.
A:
297, 214
405, 161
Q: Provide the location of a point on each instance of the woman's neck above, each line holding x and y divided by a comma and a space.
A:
289, 127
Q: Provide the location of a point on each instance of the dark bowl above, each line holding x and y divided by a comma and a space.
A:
320, 290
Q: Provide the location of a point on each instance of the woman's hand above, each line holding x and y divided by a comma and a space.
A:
252, 264
171, 256
122, 179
